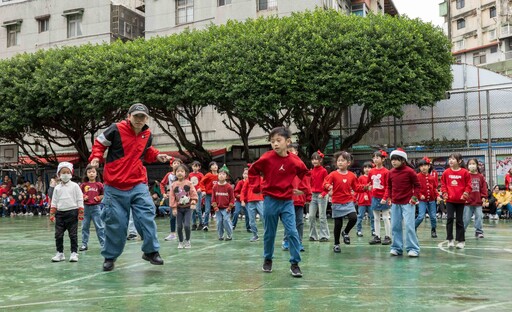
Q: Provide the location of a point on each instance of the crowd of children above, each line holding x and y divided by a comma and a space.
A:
23, 199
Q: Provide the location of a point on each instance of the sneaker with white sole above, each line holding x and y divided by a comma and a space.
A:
187, 244
180, 245
460, 245
267, 266
336, 248
394, 252
171, 236
413, 254
480, 235
359, 234
59, 257
295, 270
73, 257
254, 239
451, 243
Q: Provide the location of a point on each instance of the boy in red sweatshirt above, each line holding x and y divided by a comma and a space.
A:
254, 204
404, 190
279, 168
206, 187
223, 201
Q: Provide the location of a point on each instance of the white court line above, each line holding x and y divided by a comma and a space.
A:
246, 290
487, 306
460, 253
127, 267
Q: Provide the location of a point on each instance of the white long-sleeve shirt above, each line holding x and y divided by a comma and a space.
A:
67, 196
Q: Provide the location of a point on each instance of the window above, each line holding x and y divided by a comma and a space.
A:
224, 2
492, 34
492, 12
182, 120
478, 58
266, 5
494, 49
184, 11
459, 45
461, 23
43, 24
460, 4
359, 9
13, 34
74, 25
458, 59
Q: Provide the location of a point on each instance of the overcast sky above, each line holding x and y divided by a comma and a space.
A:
426, 10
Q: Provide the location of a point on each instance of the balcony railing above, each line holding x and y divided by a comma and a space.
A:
506, 31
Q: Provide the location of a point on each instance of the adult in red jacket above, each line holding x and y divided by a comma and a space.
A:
128, 143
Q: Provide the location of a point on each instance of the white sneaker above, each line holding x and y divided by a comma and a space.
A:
180, 245
460, 245
59, 257
451, 243
187, 244
393, 252
413, 253
73, 257
171, 236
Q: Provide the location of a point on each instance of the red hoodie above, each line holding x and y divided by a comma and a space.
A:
378, 178
278, 173
478, 189
455, 183
207, 183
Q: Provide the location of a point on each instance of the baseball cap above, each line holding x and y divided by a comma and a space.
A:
138, 108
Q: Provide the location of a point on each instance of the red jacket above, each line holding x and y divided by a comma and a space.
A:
403, 184
126, 150
378, 178
222, 196
247, 194
478, 189
455, 183
318, 175
428, 187
278, 173
207, 183
364, 198
343, 186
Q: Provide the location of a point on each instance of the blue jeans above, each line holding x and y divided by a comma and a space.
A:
252, 208
197, 214
223, 223
319, 204
93, 212
361, 210
405, 212
236, 214
116, 213
167, 210
431, 207
299, 223
479, 215
207, 208
272, 211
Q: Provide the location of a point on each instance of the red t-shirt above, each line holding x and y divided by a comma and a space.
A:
342, 186
364, 198
318, 175
92, 191
378, 178
195, 178
206, 184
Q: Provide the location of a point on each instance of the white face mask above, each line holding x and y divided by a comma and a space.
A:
65, 177
472, 167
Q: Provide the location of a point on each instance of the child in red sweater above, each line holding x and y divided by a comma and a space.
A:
195, 177
279, 168
364, 201
455, 187
206, 187
318, 200
378, 177
428, 195
238, 202
342, 183
404, 190
223, 201
476, 198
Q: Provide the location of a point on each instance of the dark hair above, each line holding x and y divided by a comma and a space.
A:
317, 156
195, 163
368, 164
458, 158
280, 131
344, 154
502, 187
89, 167
211, 164
182, 166
294, 146
476, 161
380, 153
423, 162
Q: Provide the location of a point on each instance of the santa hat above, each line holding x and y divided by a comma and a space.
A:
65, 164
399, 152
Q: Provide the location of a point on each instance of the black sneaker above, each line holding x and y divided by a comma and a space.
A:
267, 266
336, 249
153, 258
194, 227
131, 237
433, 233
323, 239
375, 240
228, 238
205, 228
386, 241
346, 238
108, 265
83, 248
295, 270
221, 238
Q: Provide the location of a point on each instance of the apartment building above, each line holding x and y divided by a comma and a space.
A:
30, 25
168, 17
481, 32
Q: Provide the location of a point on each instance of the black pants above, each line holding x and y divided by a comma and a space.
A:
66, 220
458, 209
338, 224
183, 217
